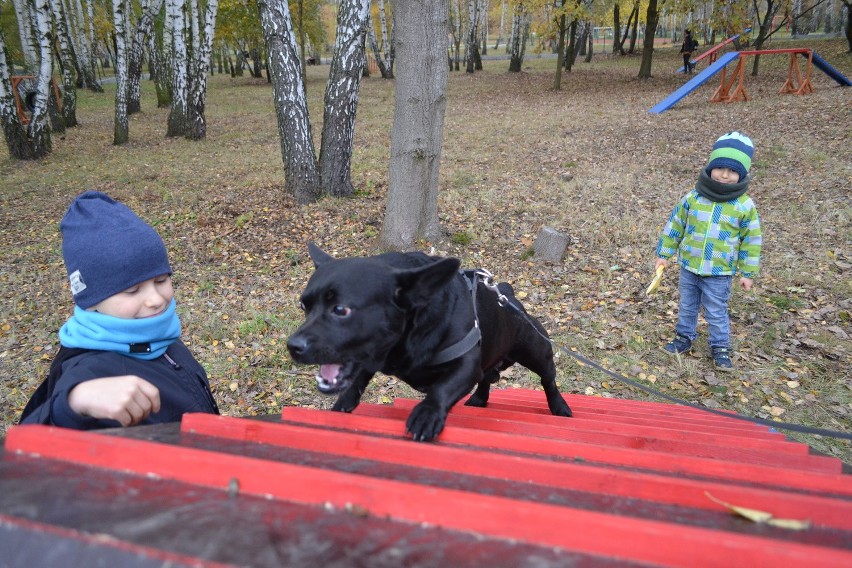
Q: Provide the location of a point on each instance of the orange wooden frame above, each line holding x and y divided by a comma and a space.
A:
23, 113
733, 89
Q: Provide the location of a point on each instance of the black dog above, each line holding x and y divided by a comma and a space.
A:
416, 317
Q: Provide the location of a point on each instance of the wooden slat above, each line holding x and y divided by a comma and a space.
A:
615, 413
638, 441
547, 525
651, 487
645, 429
779, 474
37, 542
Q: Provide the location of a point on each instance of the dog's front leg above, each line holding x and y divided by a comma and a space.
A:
427, 419
349, 399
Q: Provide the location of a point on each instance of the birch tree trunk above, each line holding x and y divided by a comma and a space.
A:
159, 71
150, 9
82, 39
67, 64
177, 26
301, 174
516, 57
341, 98
38, 130
471, 42
385, 72
25, 33
13, 131
120, 19
196, 127
420, 42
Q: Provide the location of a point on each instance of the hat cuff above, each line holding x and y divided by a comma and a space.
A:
729, 163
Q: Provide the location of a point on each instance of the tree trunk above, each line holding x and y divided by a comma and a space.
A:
848, 28
341, 98
176, 125
29, 46
560, 51
301, 174
516, 58
82, 38
648, 47
150, 9
38, 131
471, 47
160, 73
418, 124
616, 30
13, 131
67, 65
120, 21
196, 125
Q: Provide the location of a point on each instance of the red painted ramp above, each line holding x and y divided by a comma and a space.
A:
621, 483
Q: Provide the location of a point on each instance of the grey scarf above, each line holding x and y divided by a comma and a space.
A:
720, 192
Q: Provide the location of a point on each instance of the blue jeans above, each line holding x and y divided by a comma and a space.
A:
713, 293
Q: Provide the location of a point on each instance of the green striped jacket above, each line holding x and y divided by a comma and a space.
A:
713, 238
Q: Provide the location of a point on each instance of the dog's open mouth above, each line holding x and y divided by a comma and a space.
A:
334, 377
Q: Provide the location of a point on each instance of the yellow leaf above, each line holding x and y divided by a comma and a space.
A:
386, 400
762, 516
233, 386
791, 524
521, 295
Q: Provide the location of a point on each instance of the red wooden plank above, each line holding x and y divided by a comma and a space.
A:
588, 478
680, 447
778, 475
546, 525
775, 443
617, 405
616, 413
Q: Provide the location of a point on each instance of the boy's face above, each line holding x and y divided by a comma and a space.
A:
146, 299
724, 175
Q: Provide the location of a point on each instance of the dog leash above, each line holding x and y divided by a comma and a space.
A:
503, 301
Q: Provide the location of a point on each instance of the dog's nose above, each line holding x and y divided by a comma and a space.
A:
297, 345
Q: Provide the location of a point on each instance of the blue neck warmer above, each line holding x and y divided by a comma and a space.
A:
146, 338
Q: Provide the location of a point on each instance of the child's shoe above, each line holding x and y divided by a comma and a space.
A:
678, 345
722, 359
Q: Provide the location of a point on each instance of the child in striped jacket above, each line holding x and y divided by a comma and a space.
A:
715, 232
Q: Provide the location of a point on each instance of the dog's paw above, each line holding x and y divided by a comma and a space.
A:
558, 407
425, 422
347, 401
476, 401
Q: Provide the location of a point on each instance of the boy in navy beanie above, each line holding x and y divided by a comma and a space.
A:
121, 361
715, 232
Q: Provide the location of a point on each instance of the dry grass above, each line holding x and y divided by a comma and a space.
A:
588, 160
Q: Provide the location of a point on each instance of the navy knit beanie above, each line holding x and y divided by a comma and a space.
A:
108, 248
733, 150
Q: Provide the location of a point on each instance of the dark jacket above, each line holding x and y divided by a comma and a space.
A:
181, 380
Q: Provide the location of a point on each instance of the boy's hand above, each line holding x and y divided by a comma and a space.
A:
127, 399
660, 262
746, 283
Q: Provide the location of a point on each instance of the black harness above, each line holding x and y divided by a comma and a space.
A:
472, 278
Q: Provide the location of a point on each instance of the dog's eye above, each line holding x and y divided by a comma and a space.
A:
341, 310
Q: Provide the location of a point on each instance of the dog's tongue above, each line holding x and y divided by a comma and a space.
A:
329, 373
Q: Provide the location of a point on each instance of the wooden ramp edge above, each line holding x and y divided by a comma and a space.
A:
618, 483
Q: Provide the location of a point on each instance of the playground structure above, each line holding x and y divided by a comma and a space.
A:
733, 89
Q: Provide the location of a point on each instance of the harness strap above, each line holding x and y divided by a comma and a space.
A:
473, 337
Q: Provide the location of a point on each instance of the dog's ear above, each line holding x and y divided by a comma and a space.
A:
318, 255
416, 286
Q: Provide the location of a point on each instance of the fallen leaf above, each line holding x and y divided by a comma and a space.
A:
758, 516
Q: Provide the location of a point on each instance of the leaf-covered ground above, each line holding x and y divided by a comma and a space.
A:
588, 160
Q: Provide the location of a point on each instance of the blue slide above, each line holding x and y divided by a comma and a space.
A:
824, 66
696, 82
